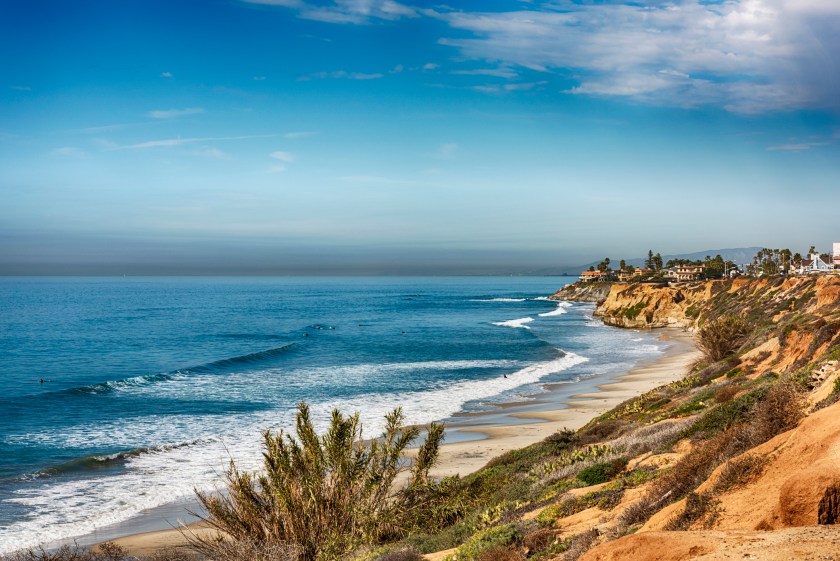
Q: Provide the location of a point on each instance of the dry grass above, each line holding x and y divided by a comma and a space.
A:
697, 507
500, 553
736, 473
580, 544
405, 554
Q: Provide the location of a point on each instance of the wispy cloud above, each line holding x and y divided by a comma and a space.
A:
169, 142
344, 11
796, 147
293, 135
173, 113
22, 88
287, 157
166, 74
746, 56
498, 72
258, 78
341, 74
67, 151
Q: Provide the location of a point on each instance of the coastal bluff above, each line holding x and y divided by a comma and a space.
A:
646, 306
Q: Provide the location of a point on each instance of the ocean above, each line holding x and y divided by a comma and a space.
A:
119, 395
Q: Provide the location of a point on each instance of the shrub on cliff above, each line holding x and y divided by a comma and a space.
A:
327, 495
723, 336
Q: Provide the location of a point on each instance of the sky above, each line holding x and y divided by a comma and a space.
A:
376, 136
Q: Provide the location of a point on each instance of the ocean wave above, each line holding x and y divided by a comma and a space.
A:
498, 300
562, 308
222, 365
63, 508
515, 322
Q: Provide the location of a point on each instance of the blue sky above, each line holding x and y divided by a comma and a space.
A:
375, 136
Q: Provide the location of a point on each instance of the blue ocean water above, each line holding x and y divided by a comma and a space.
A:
118, 395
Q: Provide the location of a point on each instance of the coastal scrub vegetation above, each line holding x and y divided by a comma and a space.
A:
722, 337
328, 495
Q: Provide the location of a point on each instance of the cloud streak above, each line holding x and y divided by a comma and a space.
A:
170, 142
173, 113
345, 11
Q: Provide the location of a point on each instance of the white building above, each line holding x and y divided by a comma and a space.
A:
835, 257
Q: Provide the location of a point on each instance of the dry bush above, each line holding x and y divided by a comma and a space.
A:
723, 336
780, 410
580, 544
726, 393
539, 540
738, 472
243, 550
694, 468
107, 551
326, 495
697, 506
401, 555
500, 553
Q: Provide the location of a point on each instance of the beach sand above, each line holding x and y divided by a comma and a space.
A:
514, 426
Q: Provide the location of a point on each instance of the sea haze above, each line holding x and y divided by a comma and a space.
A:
119, 395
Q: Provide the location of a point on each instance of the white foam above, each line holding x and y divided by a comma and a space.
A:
200, 447
515, 322
499, 300
562, 308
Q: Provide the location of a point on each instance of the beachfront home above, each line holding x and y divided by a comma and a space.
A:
592, 276
815, 263
835, 259
686, 272
625, 275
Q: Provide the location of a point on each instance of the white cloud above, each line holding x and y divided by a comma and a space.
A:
345, 11
67, 151
299, 134
258, 78
287, 157
173, 113
341, 74
430, 66
397, 69
746, 56
278, 168
22, 88
166, 74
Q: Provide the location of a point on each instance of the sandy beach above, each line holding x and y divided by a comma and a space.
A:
516, 425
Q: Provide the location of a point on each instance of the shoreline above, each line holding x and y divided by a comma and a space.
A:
508, 427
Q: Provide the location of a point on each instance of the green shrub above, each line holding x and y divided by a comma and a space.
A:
326, 495
601, 473
498, 536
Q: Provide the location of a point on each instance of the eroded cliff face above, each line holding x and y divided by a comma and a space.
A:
646, 306
642, 306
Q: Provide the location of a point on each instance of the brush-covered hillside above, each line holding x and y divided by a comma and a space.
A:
739, 459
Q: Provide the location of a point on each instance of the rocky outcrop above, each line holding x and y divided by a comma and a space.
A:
647, 306
583, 292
